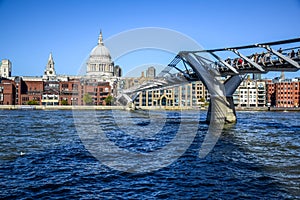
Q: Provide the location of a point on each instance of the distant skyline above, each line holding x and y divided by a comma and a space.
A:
31, 29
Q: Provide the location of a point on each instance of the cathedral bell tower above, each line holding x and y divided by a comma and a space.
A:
49, 71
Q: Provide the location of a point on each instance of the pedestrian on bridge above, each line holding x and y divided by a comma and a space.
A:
292, 54
267, 57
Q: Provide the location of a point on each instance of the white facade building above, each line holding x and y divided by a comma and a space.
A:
5, 68
250, 93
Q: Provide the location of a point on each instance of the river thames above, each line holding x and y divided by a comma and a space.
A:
42, 156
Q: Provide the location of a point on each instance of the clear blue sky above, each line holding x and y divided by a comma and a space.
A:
31, 29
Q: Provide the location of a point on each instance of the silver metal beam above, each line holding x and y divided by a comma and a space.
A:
203, 62
280, 55
205, 74
250, 46
224, 63
232, 83
257, 66
135, 96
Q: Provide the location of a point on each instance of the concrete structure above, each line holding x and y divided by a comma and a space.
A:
5, 68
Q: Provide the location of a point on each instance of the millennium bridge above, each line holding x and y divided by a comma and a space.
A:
222, 76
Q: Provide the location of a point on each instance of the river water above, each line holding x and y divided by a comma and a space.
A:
42, 156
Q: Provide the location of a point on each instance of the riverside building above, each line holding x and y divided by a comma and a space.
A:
250, 93
283, 92
181, 96
92, 88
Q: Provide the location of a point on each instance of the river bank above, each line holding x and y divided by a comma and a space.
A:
268, 109
39, 107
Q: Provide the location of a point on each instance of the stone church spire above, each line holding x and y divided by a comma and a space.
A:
49, 71
100, 39
50, 59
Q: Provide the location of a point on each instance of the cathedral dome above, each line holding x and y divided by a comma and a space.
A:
100, 52
99, 62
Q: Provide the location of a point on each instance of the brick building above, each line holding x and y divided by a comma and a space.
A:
7, 92
51, 93
284, 93
30, 92
92, 88
70, 92
98, 91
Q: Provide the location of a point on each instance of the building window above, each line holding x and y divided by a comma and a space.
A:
64, 86
74, 87
25, 98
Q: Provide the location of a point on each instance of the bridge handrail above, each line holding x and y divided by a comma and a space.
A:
263, 58
268, 60
249, 46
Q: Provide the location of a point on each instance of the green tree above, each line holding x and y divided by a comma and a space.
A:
108, 100
88, 100
64, 102
32, 102
202, 100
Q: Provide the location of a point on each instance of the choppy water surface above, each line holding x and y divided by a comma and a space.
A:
42, 157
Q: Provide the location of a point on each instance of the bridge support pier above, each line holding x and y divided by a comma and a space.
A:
221, 107
230, 114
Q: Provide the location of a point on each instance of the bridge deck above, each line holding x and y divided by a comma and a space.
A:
281, 60
270, 65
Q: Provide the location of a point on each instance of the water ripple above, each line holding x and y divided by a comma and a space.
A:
42, 157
